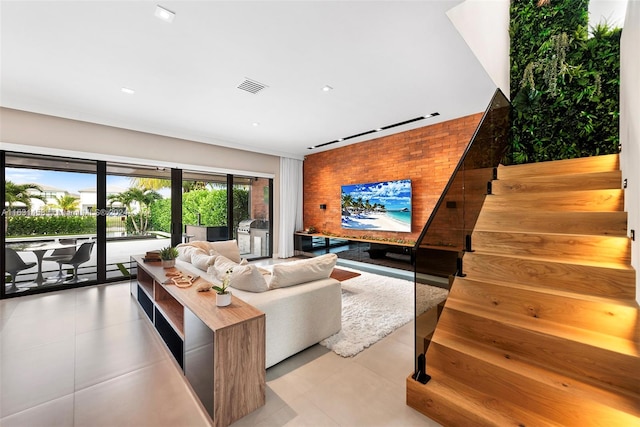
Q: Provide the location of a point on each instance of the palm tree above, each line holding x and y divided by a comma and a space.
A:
144, 198
150, 183
67, 203
19, 193
159, 184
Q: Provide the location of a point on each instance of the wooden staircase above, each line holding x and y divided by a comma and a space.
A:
544, 329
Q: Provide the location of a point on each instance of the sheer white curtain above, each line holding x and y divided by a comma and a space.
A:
290, 204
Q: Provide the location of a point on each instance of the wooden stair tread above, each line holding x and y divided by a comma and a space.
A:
578, 200
453, 403
617, 282
549, 183
571, 247
589, 223
630, 347
603, 315
620, 266
572, 354
562, 167
545, 387
624, 302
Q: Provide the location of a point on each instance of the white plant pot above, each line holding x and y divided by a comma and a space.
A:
168, 263
223, 300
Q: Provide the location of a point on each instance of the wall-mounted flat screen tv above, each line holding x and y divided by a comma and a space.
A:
379, 206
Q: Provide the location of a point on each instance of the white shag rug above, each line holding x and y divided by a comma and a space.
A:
373, 306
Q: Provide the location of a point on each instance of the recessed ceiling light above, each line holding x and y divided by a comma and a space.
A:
327, 88
128, 91
165, 14
255, 124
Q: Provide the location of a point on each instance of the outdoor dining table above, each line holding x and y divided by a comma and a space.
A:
39, 251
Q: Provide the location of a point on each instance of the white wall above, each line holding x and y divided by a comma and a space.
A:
36, 133
484, 26
610, 11
630, 126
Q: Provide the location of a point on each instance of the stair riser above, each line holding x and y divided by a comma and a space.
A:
607, 318
598, 281
578, 201
549, 184
548, 401
566, 247
589, 223
574, 358
609, 162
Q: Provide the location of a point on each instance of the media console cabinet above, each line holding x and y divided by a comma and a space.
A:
221, 350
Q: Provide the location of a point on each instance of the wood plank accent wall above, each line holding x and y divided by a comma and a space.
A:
426, 155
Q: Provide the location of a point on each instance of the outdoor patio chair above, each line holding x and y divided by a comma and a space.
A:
82, 255
13, 265
61, 253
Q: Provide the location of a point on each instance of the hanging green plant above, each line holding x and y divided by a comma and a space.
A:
564, 83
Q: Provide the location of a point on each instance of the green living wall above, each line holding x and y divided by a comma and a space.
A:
564, 82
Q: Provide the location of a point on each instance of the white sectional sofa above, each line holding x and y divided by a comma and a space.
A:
302, 304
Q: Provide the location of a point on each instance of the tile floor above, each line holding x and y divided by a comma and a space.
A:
88, 357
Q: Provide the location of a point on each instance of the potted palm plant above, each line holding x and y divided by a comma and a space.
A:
168, 256
223, 295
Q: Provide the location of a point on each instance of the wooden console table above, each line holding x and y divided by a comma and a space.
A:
220, 349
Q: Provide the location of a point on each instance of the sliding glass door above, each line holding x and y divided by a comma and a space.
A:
49, 222
138, 214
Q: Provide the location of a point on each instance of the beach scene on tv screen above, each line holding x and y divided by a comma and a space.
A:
379, 206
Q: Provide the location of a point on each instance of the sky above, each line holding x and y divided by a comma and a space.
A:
394, 195
70, 181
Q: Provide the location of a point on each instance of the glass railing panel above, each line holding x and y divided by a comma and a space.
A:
448, 232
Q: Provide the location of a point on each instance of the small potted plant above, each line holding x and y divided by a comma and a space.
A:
168, 256
223, 295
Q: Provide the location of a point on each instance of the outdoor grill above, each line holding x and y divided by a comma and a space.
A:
253, 237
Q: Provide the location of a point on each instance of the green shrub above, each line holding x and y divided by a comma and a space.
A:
50, 225
210, 204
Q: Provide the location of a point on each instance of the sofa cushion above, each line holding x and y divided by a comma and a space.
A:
248, 278
185, 252
202, 260
220, 266
228, 248
302, 271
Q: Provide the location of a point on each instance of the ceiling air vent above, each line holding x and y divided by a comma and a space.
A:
251, 86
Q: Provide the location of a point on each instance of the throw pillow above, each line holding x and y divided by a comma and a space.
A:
220, 266
248, 278
227, 248
303, 271
185, 252
202, 260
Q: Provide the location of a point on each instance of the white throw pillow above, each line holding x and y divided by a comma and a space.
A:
228, 248
186, 252
220, 266
248, 278
202, 260
303, 271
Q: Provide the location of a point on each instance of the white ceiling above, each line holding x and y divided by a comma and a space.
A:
388, 61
